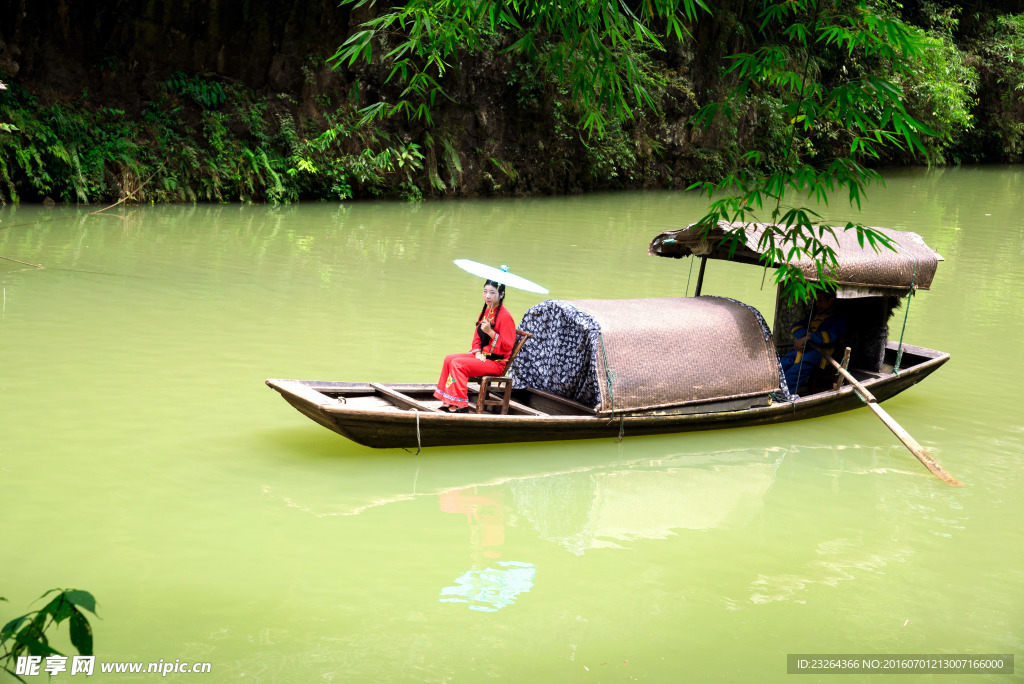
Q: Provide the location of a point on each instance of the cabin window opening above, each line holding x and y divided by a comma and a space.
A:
867, 328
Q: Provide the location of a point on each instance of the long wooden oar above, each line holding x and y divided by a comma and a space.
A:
923, 456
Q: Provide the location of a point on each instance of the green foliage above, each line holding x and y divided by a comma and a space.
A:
591, 94
1006, 42
942, 93
610, 154
349, 157
236, 169
407, 158
826, 89
51, 148
1001, 52
207, 94
246, 149
27, 634
507, 168
940, 84
825, 64
590, 45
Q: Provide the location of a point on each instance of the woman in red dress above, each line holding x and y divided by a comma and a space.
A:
492, 342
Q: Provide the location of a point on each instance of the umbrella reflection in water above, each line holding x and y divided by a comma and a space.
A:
498, 583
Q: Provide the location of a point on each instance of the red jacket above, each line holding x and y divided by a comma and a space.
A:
505, 333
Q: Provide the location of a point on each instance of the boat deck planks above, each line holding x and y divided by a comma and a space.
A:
403, 400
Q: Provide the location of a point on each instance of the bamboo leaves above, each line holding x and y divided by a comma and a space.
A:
28, 634
592, 46
824, 64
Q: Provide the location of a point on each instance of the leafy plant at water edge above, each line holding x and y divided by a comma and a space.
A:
449, 155
348, 157
941, 90
44, 148
941, 82
407, 158
207, 94
27, 634
598, 99
1001, 52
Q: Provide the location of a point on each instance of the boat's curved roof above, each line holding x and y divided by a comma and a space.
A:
860, 267
630, 354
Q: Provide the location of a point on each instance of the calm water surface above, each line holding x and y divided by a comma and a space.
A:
143, 459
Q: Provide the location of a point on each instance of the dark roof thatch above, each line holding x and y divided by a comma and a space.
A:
891, 272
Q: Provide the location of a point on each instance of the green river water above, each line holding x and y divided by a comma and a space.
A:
142, 457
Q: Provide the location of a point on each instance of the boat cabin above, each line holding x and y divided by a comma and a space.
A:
871, 284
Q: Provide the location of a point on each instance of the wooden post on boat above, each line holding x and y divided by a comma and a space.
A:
915, 448
700, 276
842, 378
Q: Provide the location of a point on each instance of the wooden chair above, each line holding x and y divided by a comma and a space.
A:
497, 390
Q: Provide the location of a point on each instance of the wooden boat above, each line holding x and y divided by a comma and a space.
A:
606, 368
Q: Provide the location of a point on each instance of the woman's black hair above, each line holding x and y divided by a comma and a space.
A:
501, 300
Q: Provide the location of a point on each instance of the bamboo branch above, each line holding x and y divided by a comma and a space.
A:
127, 195
21, 262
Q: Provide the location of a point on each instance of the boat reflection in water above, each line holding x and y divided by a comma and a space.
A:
646, 499
596, 508
525, 512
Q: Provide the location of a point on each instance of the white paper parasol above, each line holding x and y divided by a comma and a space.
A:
499, 275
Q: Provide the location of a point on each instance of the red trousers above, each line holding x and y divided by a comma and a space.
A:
455, 373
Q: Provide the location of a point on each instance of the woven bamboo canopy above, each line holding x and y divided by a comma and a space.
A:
861, 269
631, 354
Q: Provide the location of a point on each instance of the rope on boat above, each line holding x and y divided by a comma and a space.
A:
419, 445
610, 375
906, 314
608, 372
686, 292
800, 366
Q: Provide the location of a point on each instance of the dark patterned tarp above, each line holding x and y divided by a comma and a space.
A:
561, 356
629, 354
